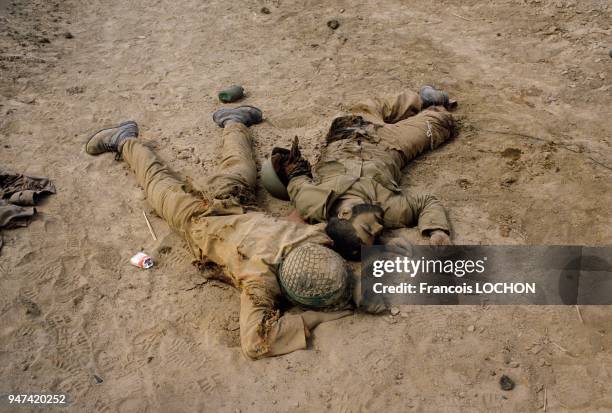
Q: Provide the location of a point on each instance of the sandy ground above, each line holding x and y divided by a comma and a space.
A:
531, 166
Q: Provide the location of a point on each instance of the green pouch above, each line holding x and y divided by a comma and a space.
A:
231, 94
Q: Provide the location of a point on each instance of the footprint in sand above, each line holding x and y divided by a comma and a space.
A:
146, 342
31, 308
129, 367
5, 270
349, 405
102, 406
180, 353
72, 244
74, 386
25, 330
68, 366
56, 319
209, 383
5, 304
70, 343
172, 256
44, 272
107, 257
31, 294
66, 281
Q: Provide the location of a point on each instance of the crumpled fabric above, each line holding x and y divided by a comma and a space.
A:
18, 195
349, 127
12, 216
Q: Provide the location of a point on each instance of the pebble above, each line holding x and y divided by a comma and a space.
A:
512, 153
395, 311
333, 24
471, 328
265, 10
506, 383
68, 35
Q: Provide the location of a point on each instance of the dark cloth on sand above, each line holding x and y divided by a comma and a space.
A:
18, 195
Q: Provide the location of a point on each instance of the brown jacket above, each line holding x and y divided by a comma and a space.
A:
249, 248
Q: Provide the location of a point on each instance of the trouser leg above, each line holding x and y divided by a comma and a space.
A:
412, 136
167, 195
236, 174
389, 109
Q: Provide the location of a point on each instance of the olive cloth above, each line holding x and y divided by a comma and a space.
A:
248, 246
18, 194
363, 159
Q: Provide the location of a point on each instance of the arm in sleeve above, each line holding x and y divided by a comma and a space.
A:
428, 213
309, 199
263, 332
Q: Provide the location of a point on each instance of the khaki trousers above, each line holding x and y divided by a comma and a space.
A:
175, 201
404, 126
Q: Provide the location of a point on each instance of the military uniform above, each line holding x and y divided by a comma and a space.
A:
363, 159
247, 246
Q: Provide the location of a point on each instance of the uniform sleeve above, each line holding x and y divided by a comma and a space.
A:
310, 199
263, 332
428, 212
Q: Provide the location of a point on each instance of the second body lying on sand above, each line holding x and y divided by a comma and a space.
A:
360, 168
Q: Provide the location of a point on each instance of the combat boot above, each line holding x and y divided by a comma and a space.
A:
247, 115
433, 97
111, 139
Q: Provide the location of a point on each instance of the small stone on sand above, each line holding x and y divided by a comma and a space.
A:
333, 24
506, 383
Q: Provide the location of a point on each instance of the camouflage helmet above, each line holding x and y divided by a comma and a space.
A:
271, 181
316, 277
